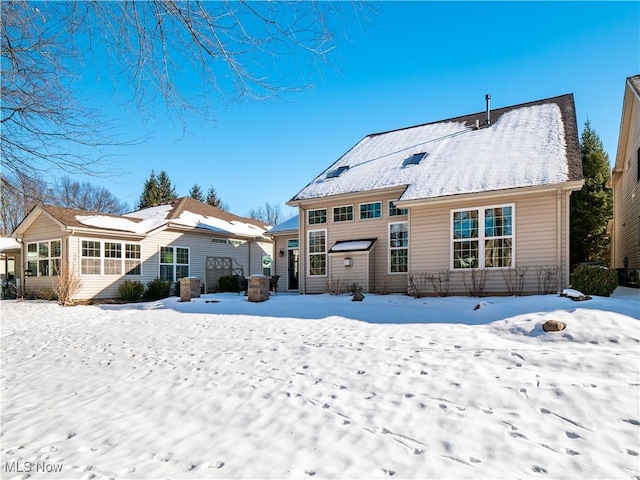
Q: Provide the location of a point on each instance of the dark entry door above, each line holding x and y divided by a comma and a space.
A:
293, 269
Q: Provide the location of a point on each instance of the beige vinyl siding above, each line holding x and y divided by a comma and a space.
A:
626, 203
356, 229
43, 228
535, 238
360, 272
199, 244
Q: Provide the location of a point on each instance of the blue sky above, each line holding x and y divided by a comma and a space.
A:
412, 63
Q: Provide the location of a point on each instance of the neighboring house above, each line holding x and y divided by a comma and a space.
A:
624, 228
182, 238
482, 194
10, 273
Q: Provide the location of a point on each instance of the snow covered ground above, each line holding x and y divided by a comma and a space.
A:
322, 387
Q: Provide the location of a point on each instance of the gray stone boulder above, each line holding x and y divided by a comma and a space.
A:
553, 326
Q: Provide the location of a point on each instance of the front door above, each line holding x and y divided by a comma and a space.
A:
293, 268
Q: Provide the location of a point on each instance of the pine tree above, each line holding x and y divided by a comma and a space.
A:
150, 192
157, 190
591, 207
212, 198
167, 191
196, 193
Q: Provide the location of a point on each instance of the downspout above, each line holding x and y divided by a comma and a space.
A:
249, 259
22, 266
559, 263
302, 247
567, 245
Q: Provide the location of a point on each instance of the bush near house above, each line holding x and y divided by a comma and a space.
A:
131, 290
229, 283
158, 288
594, 280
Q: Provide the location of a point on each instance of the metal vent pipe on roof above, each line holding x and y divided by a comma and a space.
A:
487, 97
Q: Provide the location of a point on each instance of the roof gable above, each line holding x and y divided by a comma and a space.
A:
525, 145
631, 95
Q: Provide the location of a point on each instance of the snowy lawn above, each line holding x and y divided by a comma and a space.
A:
322, 387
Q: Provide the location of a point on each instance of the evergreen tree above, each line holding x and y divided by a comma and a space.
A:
213, 199
196, 193
150, 192
591, 207
167, 191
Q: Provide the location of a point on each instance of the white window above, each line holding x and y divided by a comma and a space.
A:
343, 214
317, 253
395, 211
43, 258
132, 259
91, 259
482, 237
110, 258
174, 263
398, 247
317, 216
370, 210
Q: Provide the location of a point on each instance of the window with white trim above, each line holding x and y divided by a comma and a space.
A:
395, 211
370, 210
343, 214
482, 237
90, 260
317, 216
399, 247
174, 263
317, 252
132, 259
110, 258
43, 258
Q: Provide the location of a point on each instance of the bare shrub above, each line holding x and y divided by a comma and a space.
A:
419, 284
440, 282
336, 286
475, 280
547, 279
354, 288
514, 280
67, 284
383, 287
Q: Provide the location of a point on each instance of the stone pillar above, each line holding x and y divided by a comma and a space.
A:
258, 288
189, 288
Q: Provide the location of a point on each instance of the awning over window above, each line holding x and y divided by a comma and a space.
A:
363, 245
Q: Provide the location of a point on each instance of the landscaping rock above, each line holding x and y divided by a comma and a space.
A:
574, 295
553, 326
357, 297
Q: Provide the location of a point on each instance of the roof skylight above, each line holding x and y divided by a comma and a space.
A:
414, 159
337, 172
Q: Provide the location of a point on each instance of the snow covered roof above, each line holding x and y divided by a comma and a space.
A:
525, 145
182, 212
188, 212
353, 245
8, 243
286, 226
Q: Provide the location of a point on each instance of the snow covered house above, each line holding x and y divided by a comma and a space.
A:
478, 201
624, 228
182, 238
